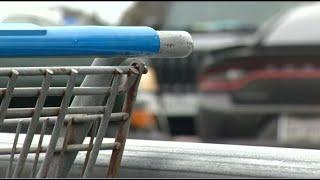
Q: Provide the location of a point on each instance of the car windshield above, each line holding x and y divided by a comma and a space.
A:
215, 16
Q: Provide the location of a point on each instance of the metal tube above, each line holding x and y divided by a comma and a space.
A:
69, 148
92, 135
169, 159
13, 150
59, 123
64, 146
77, 119
65, 70
33, 124
7, 97
35, 163
84, 147
53, 111
56, 91
123, 128
103, 126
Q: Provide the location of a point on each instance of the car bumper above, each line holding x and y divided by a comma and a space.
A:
222, 102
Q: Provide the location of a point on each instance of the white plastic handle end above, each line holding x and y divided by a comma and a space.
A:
174, 44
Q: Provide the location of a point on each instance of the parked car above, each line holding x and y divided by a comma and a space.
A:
266, 87
213, 26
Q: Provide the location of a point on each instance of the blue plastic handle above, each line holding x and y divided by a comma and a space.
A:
29, 40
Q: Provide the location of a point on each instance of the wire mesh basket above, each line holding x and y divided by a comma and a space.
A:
67, 114
85, 110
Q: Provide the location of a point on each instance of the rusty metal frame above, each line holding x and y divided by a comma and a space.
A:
65, 117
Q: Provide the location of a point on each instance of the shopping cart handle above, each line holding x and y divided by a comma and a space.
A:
174, 44
29, 40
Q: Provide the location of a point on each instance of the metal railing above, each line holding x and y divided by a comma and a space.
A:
165, 159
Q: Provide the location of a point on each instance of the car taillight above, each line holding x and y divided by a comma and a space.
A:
233, 80
221, 81
234, 74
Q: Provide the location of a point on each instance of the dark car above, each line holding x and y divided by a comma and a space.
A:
213, 26
266, 87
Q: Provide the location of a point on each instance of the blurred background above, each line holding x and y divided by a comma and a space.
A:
253, 77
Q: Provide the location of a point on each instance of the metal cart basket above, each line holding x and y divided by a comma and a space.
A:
85, 110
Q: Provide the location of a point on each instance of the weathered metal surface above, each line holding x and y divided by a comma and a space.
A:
66, 140
72, 147
35, 163
76, 119
65, 70
168, 159
93, 133
13, 150
123, 130
102, 128
56, 152
182, 159
57, 91
53, 111
79, 131
8, 94
59, 123
33, 123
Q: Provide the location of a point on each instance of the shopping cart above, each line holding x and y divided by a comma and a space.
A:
92, 107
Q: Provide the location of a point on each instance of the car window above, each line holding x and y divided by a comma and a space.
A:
221, 14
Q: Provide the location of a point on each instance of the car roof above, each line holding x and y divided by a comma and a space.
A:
215, 41
299, 26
